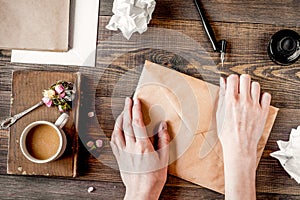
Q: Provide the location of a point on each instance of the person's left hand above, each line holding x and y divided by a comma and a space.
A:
143, 167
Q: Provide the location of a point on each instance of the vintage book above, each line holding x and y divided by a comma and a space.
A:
34, 25
27, 88
189, 106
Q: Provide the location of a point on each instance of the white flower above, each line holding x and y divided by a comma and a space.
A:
49, 93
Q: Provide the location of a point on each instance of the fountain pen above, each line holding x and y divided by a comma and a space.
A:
217, 46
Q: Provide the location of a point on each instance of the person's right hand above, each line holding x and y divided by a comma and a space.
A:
241, 118
241, 115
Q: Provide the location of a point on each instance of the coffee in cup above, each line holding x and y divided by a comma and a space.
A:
43, 141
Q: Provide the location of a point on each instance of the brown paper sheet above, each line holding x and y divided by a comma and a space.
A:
34, 24
189, 106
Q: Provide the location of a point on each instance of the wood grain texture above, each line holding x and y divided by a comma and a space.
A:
103, 86
45, 188
246, 54
276, 12
247, 25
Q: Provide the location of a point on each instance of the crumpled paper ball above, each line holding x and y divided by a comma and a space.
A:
289, 154
131, 16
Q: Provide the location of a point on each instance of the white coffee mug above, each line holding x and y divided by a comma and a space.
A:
57, 126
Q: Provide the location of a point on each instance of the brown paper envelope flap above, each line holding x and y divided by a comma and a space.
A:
208, 145
189, 106
207, 171
192, 99
162, 110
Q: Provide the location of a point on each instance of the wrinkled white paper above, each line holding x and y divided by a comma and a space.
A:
289, 154
131, 16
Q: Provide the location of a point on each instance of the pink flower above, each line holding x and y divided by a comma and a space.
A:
90, 144
61, 109
99, 143
62, 95
47, 101
59, 88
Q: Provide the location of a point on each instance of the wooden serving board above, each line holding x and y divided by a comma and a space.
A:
27, 87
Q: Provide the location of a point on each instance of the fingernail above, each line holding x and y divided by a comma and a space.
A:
245, 76
222, 83
162, 126
135, 101
127, 100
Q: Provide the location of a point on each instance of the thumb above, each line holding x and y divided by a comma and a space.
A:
163, 141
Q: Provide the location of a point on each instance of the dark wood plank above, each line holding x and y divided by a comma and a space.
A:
49, 188
5, 55
246, 54
111, 74
275, 12
13, 187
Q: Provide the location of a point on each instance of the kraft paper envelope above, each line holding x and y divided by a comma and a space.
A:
189, 107
83, 39
34, 24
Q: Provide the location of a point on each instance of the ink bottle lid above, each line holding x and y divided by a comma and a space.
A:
284, 47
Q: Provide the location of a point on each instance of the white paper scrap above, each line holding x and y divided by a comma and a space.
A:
289, 154
83, 39
131, 16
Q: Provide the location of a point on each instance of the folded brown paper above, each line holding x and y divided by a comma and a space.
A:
34, 24
189, 106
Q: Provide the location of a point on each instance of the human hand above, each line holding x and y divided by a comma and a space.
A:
241, 115
143, 167
241, 118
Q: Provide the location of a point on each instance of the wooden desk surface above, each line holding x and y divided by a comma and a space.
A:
246, 25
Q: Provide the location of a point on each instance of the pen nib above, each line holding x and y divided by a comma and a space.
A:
222, 50
222, 58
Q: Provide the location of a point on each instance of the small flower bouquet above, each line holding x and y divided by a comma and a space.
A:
60, 94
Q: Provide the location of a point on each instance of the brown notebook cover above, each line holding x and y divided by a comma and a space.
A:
34, 24
26, 91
